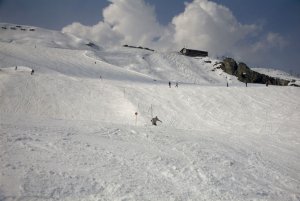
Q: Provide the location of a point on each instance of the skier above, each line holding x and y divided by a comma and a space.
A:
154, 120
169, 84
32, 71
176, 85
16, 67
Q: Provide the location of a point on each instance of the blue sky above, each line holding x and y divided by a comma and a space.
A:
275, 20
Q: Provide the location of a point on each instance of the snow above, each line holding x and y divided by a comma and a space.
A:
40, 36
278, 74
67, 134
274, 73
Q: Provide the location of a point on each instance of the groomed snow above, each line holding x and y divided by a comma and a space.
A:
68, 134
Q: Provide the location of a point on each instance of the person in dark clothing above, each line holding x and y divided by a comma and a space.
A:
16, 68
169, 84
176, 85
32, 71
154, 120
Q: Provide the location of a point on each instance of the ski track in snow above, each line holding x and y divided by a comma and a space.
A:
84, 160
66, 134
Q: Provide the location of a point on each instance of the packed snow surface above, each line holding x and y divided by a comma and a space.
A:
79, 128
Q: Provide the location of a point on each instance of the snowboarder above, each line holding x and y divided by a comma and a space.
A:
169, 84
32, 71
154, 120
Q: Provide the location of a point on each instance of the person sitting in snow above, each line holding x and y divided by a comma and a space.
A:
154, 120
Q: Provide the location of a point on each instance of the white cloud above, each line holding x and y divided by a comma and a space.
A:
203, 25
100, 33
207, 25
134, 20
271, 40
124, 21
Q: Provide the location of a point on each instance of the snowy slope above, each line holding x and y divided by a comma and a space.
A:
67, 134
35, 36
165, 65
274, 73
278, 74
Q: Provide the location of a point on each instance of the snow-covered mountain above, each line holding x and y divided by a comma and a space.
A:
79, 128
35, 36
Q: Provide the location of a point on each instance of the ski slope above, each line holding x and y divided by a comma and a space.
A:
69, 134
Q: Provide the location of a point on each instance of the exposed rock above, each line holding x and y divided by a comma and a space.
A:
92, 45
230, 66
245, 74
139, 47
294, 85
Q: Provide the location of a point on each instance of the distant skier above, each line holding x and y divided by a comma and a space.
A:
154, 120
32, 72
246, 83
267, 83
169, 84
227, 84
16, 68
176, 85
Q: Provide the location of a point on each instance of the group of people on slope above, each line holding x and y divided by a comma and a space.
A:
176, 84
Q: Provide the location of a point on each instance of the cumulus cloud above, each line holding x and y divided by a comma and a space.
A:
202, 25
207, 25
134, 20
100, 33
124, 21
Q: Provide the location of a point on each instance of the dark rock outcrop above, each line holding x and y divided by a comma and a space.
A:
94, 46
139, 47
245, 74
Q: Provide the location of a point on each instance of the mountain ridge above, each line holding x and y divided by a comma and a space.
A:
55, 39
